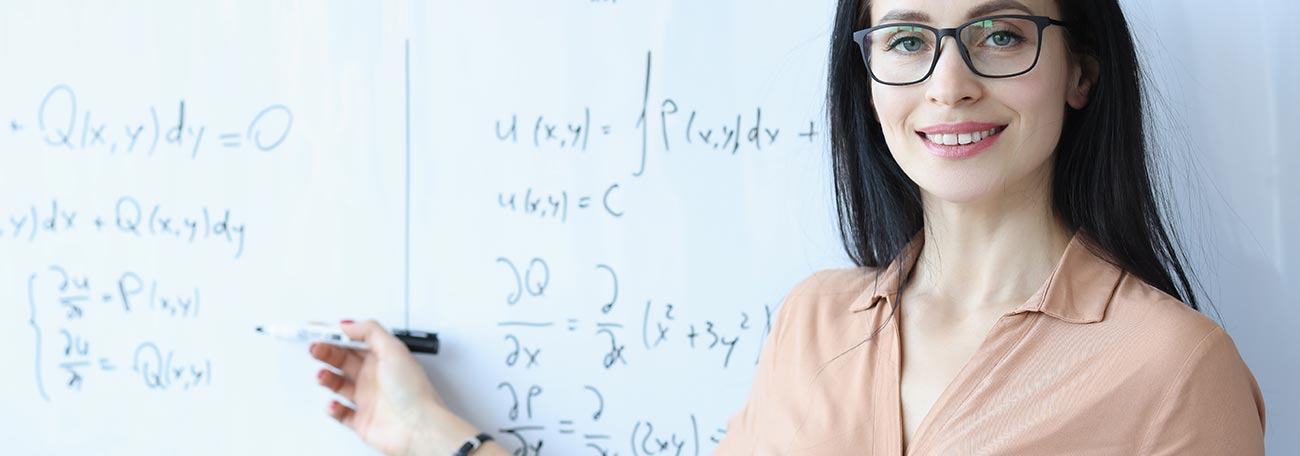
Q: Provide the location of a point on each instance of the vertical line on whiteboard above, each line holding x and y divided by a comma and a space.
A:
406, 277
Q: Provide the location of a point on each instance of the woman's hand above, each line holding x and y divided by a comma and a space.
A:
397, 409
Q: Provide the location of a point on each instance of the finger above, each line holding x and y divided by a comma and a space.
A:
338, 384
341, 412
374, 335
344, 359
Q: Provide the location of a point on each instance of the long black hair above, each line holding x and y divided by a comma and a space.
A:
1102, 176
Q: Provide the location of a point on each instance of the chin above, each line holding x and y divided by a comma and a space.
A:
955, 185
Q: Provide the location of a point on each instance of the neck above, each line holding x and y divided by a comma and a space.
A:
989, 255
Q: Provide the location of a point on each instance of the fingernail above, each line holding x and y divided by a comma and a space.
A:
346, 322
312, 348
321, 374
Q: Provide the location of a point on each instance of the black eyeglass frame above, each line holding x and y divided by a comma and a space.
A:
1042, 22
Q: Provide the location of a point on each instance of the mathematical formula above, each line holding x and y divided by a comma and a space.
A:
63, 305
60, 124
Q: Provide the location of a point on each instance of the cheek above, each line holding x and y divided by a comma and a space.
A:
1039, 104
893, 105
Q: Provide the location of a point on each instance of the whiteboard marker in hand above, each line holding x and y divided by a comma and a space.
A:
416, 341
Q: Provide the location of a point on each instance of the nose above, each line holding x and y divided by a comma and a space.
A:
952, 83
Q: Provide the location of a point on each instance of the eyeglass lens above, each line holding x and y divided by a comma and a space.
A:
997, 47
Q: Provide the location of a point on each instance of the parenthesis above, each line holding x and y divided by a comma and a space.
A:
34, 225
239, 251
153, 216
645, 325
695, 431
586, 127
635, 428
735, 146
156, 131
195, 153
537, 128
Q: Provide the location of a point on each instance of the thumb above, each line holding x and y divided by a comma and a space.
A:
373, 334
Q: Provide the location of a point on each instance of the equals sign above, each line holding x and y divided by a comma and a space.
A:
573, 324
566, 426
584, 202
230, 139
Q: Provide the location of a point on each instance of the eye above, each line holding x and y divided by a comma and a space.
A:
907, 43
1003, 38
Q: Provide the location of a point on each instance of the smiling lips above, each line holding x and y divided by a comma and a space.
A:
960, 140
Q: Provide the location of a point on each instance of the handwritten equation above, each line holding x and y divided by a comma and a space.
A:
529, 436
63, 305
660, 325
556, 205
127, 217
679, 126
60, 124
615, 332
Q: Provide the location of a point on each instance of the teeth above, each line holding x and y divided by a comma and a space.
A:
962, 138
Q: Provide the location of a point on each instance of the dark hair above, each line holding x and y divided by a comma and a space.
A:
1101, 176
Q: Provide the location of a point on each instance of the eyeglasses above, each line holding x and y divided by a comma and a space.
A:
993, 47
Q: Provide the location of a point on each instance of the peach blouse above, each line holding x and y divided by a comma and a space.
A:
1095, 362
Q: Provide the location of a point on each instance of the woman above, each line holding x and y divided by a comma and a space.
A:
1018, 292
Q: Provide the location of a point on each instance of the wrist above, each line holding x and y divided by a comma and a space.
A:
441, 434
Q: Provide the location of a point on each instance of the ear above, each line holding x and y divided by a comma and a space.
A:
1082, 79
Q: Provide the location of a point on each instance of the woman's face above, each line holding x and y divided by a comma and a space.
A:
1025, 113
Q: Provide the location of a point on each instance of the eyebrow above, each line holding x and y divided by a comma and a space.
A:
982, 9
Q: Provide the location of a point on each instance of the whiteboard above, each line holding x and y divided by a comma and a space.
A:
179, 174
597, 205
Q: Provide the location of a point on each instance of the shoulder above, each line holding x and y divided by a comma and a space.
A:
815, 319
1195, 373
1169, 328
835, 281
1175, 339
827, 293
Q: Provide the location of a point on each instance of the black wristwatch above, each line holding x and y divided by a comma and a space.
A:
472, 444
